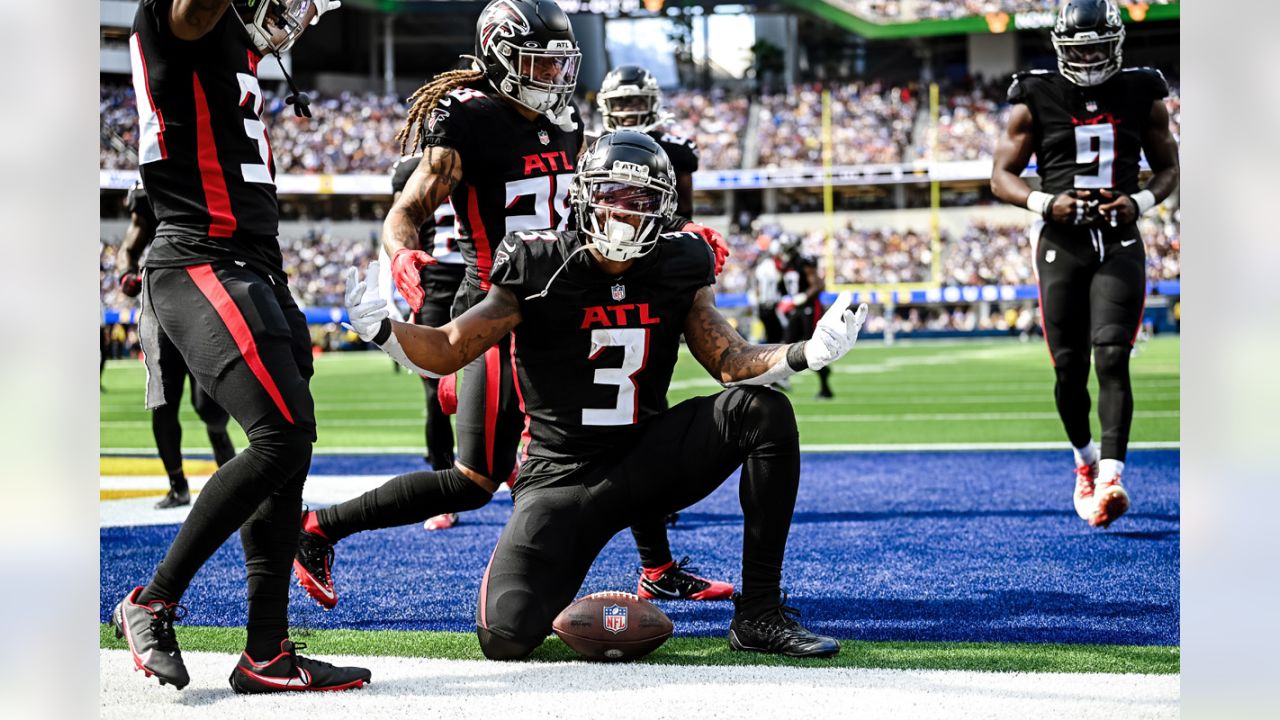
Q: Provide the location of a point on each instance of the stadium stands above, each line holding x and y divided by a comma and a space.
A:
871, 123
909, 10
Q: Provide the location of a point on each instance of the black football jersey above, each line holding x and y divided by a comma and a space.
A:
515, 175
203, 151
794, 279
594, 356
682, 151
1089, 138
137, 202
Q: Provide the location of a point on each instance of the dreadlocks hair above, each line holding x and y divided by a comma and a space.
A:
424, 100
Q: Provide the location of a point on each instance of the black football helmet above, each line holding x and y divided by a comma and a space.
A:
529, 54
624, 193
630, 99
1087, 39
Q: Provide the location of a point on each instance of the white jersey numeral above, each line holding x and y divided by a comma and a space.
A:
256, 130
150, 121
550, 211
1104, 154
635, 345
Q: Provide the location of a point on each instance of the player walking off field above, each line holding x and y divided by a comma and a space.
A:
596, 317
214, 285
1087, 125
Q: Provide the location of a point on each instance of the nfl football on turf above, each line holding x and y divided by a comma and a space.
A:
612, 626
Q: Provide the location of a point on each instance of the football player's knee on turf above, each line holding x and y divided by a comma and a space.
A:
496, 647
766, 415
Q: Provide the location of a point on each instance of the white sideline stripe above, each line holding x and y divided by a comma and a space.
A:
809, 447
421, 687
320, 490
846, 418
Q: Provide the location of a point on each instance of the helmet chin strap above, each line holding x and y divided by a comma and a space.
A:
300, 101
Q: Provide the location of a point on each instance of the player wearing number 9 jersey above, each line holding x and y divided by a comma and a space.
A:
214, 285
502, 141
1088, 125
597, 314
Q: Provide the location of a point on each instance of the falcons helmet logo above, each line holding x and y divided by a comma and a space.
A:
501, 20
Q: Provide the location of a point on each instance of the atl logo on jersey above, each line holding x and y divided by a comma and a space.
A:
623, 315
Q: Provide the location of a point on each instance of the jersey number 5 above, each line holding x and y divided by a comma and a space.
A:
635, 345
1104, 154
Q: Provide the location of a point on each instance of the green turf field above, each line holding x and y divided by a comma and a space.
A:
924, 392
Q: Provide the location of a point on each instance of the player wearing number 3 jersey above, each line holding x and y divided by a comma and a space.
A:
597, 314
1087, 125
214, 286
501, 141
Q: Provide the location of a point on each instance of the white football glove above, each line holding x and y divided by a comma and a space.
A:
324, 6
365, 310
836, 333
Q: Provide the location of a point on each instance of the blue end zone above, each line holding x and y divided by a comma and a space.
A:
954, 546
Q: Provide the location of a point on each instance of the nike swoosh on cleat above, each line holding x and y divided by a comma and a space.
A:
292, 682
660, 591
509, 246
1127, 243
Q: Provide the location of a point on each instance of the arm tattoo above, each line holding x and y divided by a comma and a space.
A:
436, 177
485, 324
719, 347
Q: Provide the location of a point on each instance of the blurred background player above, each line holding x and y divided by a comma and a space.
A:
165, 425
440, 282
215, 286
502, 140
630, 99
801, 286
766, 280
1088, 125
606, 451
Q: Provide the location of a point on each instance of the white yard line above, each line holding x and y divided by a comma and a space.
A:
420, 688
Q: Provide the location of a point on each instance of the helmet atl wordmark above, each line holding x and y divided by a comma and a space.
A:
1087, 39
623, 194
529, 54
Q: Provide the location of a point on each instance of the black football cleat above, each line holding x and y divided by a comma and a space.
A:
313, 566
779, 632
149, 631
175, 498
290, 672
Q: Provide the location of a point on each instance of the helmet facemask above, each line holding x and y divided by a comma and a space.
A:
274, 25
1089, 59
541, 79
623, 213
629, 108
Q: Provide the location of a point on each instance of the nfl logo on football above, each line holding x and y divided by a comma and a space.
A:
619, 292
543, 137
615, 619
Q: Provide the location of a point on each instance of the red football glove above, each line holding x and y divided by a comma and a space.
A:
447, 394
714, 239
131, 284
786, 305
406, 271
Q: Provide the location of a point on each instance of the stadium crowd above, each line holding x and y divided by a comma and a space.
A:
871, 123
908, 10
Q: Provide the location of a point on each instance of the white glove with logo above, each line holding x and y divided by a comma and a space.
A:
365, 310
836, 333
324, 6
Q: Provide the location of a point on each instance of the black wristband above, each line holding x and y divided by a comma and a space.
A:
1047, 213
795, 357
384, 332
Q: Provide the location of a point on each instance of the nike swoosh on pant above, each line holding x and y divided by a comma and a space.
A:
1127, 243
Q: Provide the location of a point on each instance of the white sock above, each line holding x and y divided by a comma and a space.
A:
1086, 455
1109, 469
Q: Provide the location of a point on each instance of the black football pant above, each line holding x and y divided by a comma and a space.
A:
439, 284
167, 428
773, 330
556, 532
800, 326
246, 342
1092, 292
489, 424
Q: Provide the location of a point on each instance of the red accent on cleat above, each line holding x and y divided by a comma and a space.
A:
441, 522
311, 524
1113, 501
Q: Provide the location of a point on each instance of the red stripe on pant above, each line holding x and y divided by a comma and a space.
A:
226, 308
484, 590
492, 381
1044, 329
1138, 331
